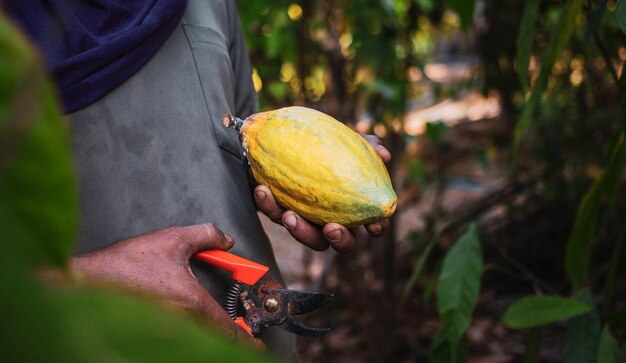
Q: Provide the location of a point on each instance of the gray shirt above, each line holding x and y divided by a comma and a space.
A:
153, 153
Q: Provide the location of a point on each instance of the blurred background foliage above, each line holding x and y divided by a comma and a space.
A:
503, 113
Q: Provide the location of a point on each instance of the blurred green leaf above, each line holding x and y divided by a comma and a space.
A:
42, 322
525, 40
582, 236
417, 171
608, 350
54, 324
465, 9
278, 90
426, 5
560, 37
459, 283
533, 311
582, 334
436, 130
36, 174
620, 15
122, 326
385, 89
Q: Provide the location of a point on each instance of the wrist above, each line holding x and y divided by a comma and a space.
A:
88, 266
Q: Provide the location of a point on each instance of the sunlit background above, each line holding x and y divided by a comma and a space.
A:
440, 83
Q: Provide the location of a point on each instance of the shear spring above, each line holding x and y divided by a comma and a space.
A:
231, 300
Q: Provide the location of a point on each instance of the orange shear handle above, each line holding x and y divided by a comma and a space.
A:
242, 270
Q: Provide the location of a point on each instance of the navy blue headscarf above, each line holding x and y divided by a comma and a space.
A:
92, 46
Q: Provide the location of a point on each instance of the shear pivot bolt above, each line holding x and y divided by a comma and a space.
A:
271, 305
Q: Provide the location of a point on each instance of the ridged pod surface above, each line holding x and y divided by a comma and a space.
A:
317, 166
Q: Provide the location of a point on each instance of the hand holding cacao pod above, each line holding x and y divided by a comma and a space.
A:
317, 166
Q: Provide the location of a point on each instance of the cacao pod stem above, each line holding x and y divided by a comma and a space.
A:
233, 122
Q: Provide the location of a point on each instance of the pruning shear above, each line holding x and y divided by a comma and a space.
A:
266, 301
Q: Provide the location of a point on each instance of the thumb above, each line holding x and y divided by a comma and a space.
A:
202, 237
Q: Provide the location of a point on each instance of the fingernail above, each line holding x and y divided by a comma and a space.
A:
260, 195
228, 237
290, 221
335, 235
376, 228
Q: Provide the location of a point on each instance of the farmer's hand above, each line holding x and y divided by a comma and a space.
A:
156, 264
319, 238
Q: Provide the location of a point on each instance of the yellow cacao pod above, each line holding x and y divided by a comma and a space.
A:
316, 166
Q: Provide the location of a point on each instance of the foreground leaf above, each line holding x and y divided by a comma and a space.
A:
36, 175
42, 322
534, 311
459, 283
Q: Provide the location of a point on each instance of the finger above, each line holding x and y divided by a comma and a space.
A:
339, 237
378, 228
202, 237
304, 232
383, 152
378, 147
266, 203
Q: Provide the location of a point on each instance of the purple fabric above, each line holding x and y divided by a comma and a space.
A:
92, 46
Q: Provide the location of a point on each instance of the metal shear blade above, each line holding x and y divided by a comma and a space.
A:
302, 302
275, 305
293, 326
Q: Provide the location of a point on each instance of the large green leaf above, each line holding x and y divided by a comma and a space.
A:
525, 39
533, 311
608, 351
36, 176
582, 334
121, 326
459, 283
53, 324
42, 322
559, 39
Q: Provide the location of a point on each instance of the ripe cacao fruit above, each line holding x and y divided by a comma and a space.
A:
316, 166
